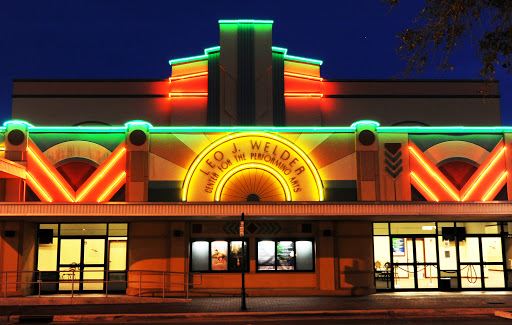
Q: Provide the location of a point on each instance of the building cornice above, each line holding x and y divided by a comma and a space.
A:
296, 210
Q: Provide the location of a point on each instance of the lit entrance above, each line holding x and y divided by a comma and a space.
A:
82, 264
82, 257
442, 255
414, 263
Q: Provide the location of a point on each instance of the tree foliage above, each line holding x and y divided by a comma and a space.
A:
442, 24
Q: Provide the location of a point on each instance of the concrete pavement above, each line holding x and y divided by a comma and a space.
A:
435, 305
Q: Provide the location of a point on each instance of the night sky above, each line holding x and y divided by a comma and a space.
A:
90, 39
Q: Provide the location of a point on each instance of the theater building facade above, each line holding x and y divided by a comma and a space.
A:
348, 187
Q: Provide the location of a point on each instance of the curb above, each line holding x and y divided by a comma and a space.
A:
503, 314
345, 314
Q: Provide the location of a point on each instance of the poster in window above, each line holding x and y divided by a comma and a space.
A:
266, 255
398, 245
285, 255
236, 256
219, 258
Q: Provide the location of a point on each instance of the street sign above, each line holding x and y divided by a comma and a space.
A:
242, 229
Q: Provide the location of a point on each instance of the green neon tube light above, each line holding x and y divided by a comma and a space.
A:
279, 49
444, 129
365, 122
245, 21
23, 122
188, 59
301, 59
283, 129
211, 49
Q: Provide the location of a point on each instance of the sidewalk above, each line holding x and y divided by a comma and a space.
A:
467, 304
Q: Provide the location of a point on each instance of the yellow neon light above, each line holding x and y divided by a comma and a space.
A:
424, 186
433, 173
39, 188
186, 94
50, 174
477, 181
100, 175
233, 136
303, 76
112, 186
499, 182
187, 76
317, 95
280, 178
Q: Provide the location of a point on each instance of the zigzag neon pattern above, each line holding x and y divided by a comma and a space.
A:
50, 186
483, 185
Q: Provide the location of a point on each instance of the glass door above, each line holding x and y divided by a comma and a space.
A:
81, 264
414, 262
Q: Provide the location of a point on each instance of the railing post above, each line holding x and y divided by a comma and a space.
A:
106, 282
72, 283
39, 284
187, 282
5, 285
163, 284
140, 282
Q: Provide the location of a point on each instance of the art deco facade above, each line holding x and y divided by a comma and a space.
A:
137, 186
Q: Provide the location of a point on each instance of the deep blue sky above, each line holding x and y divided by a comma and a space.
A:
356, 39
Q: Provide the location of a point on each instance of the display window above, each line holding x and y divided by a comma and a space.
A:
285, 255
217, 256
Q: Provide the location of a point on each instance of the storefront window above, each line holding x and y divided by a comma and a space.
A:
445, 255
285, 255
406, 228
217, 256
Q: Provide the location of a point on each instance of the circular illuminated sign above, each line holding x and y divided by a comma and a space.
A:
288, 166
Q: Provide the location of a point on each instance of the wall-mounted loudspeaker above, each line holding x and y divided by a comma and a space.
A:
45, 236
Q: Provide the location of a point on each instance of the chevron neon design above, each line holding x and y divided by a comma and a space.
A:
499, 183
417, 181
484, 185
435, 173
474, 183
50, 186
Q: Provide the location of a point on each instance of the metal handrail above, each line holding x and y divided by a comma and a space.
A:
73, 278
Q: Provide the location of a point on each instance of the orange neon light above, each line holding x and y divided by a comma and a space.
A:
186, 94
424, 187
481, 176
318, 95
303, 76
187, 76
121, 177
434, 174
38, 188
50, 174
100, 175
500, 182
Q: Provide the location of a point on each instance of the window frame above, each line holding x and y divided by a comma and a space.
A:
209, 241
294, 240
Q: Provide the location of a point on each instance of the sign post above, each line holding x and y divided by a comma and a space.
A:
243, 305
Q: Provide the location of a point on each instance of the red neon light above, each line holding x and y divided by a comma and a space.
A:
102, 171
304, 95
51, 174
502, 180
112, 187
56, 188
303, 76
32, 182
187, 94
424, 186
188, 76
474, 184
448, 187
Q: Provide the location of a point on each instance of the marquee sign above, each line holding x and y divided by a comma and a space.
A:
271, 160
